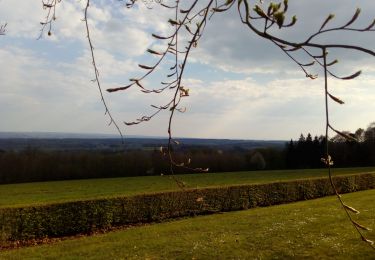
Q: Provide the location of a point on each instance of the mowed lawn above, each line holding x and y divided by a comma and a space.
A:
13, 195
314, 229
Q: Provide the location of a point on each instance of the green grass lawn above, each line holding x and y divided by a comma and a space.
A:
12, 195
314, 229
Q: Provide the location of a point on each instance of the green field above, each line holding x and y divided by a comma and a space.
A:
314, 229
12, 195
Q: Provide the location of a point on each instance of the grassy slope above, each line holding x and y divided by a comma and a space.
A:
315, 229
60, 191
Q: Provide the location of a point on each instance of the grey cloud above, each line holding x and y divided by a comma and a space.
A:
229, 44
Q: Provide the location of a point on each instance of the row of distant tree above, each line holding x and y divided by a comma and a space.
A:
307, 151
37, 165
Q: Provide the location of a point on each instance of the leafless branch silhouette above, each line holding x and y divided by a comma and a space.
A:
50, 6
96, 71
3, 29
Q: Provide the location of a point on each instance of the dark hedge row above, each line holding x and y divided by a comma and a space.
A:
84, 217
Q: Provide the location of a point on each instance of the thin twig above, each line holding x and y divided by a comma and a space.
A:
96, 72
328, 157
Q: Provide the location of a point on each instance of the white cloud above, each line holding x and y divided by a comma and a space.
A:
107, 64
154, 19
23, 18
51, 89
280, 109
41, 95
125, 40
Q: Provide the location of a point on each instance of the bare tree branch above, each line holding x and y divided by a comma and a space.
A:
96, 72
3, 29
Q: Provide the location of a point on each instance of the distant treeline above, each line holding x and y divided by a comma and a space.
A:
357, 151
307, 153
37, 165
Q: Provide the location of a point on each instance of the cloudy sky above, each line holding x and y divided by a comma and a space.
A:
241, 86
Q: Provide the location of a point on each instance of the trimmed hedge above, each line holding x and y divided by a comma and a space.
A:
84, 217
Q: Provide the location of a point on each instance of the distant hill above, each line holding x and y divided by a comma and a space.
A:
57, 135
106, 142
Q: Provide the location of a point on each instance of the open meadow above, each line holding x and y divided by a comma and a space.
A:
314, 229
27, 194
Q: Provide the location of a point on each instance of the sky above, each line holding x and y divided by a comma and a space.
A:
241, 86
